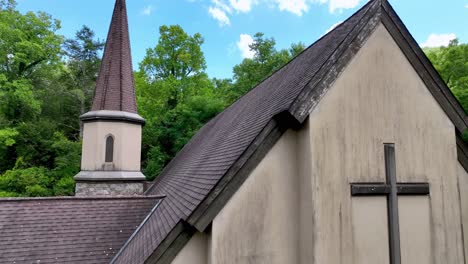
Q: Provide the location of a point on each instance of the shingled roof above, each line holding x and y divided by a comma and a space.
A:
214, 151
211, 167
115, 89
68, 230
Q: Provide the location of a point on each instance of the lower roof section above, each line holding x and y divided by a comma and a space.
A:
69, 230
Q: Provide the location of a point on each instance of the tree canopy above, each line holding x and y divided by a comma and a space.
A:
39, 130
174, 94
452, 64
177, 55
47, 82
267, 59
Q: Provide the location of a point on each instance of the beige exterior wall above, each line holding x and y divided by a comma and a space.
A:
195, 251
379, 99
415, 229
463, 191
127, 145
259, 224
296, 205
370, 231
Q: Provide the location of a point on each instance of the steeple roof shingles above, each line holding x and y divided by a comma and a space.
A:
115, 89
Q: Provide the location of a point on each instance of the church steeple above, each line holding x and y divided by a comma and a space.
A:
110, 161
115, 89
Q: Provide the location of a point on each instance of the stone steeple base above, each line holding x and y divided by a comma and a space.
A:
109, 183
87, 189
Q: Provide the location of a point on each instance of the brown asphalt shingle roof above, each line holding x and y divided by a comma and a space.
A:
68, 230
196, 177
200, 165
78, 230
115, 89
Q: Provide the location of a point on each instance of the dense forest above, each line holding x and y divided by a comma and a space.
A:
47, 82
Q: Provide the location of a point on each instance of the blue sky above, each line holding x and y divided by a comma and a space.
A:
227, 25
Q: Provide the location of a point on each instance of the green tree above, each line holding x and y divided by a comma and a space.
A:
45, 176
175, 67
7, 137
83, 53
175, 95
82, 67
7, 4
19, 102
177, 55
267, 59
452, 64
26, 182
27, 43
37, 158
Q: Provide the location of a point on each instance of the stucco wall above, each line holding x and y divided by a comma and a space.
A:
127, 145
259, 224
195, 251
379, 99
463, 192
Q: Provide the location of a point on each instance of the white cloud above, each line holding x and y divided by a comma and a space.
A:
437, 40
334, 5
222, 10
219, 11
297, 7
244, 46
333, 26
222, 5
243, 6
466, 6
220, 15
147, 10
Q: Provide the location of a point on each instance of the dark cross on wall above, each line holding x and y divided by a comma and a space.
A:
391, 188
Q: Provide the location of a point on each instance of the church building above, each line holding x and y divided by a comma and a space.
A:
350, 153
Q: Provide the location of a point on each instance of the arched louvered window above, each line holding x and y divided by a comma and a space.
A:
110, 148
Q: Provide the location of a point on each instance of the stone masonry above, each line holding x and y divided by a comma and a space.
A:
87, 189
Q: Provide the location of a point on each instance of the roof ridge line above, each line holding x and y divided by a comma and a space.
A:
304, 50
372, 6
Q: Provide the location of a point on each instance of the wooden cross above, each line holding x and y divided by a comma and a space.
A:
391, 188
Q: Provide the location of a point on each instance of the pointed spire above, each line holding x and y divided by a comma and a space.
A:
383, 2
115, 89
